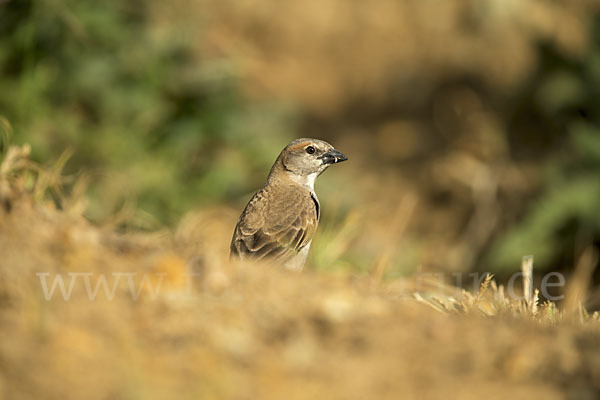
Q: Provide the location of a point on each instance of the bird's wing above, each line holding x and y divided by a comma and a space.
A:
276, 224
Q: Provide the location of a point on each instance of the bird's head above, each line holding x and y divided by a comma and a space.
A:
305, 159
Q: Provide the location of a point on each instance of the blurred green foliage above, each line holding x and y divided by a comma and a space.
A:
565, 218
145, 117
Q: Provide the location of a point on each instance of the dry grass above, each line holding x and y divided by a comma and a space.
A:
358, 51
247, 332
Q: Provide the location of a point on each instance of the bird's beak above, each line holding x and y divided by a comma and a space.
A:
332, 157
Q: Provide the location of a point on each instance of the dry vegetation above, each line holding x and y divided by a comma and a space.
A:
379, 53
252, 332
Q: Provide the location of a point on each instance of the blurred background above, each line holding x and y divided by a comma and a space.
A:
472, 126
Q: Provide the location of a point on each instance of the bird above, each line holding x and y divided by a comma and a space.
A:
280, 220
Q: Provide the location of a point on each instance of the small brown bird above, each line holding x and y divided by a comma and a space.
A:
280, 220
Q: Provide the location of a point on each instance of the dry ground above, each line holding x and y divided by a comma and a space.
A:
250, 332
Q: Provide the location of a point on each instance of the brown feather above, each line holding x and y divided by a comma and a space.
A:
278, 221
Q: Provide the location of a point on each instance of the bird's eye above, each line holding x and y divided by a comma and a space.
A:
310, 150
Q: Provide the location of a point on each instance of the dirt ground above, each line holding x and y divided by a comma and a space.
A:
202, 328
